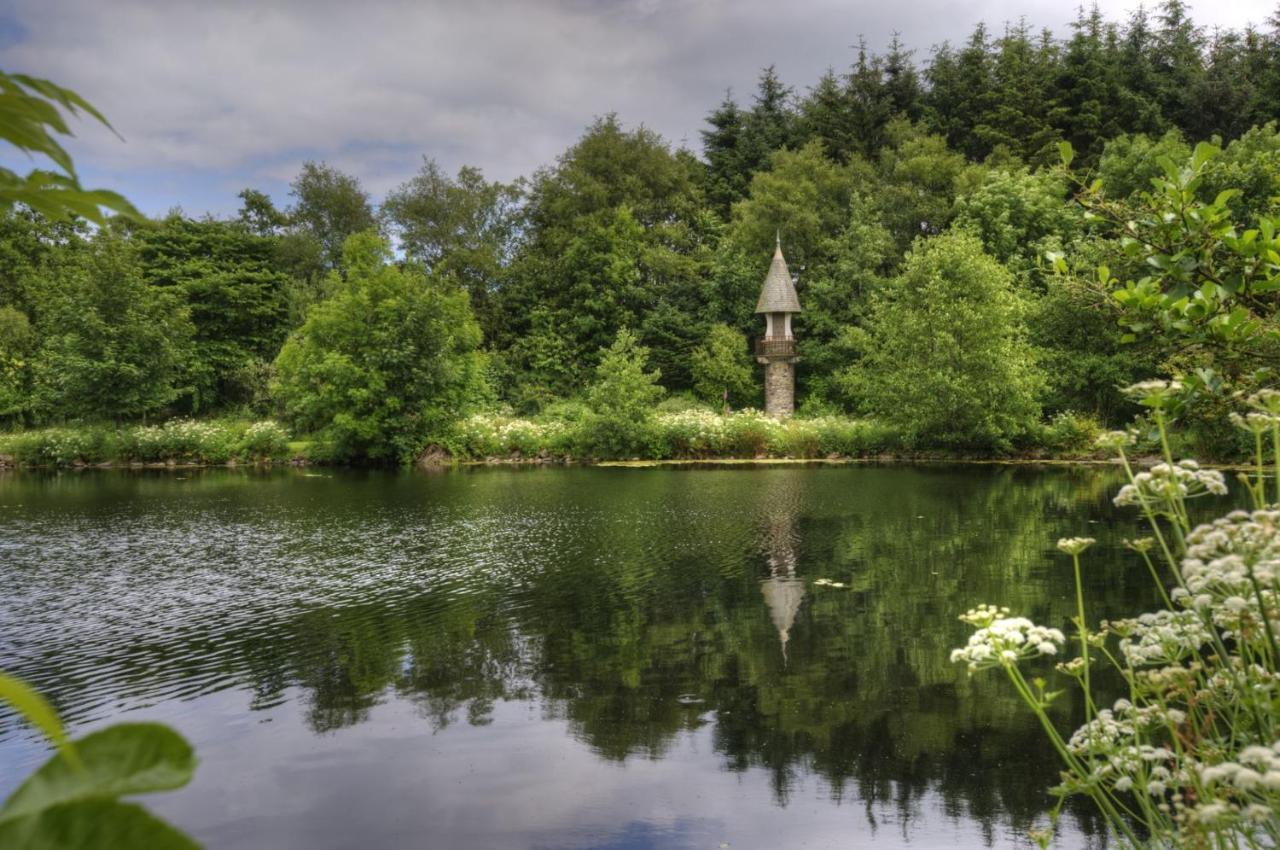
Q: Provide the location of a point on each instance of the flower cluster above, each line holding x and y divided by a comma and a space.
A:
1156, 394
1164, 484
1162, 637
1003, 640
500, 436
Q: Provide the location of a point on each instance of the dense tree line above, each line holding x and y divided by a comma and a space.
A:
916, 201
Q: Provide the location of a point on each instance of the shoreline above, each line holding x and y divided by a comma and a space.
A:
436, 465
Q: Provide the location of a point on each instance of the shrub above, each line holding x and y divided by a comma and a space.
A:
722, 373
60, 446
180, 440
1069, 431
386, 363
798, 438
749, 433
946, 364
693, 433
265, 440
622, 401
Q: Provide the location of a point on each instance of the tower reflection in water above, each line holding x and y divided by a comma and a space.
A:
783, 591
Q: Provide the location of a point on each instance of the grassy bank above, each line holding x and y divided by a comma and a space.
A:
704, 435
570, 434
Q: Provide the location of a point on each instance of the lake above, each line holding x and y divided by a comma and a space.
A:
561, 657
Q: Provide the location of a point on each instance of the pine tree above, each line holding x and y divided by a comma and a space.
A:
769, 126
870, 104
1178, 60
727, 178
902, 82
825, 115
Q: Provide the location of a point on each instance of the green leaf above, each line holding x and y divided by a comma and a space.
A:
1066, 153
92, 825
1202, 154
37, 711
128, 758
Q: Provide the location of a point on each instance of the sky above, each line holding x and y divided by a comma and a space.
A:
214, 96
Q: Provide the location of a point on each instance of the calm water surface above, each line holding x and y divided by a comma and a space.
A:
559, 658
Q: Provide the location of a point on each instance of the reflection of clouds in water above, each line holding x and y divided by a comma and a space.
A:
521, 783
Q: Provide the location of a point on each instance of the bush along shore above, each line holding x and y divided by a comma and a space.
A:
572, 434
177, 442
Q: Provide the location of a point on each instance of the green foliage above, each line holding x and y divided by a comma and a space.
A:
31, 120
946, 361
1071, 432
17, 344
722, 372
329, 207
465, 227
37, 711
385, 363
622, 399
617, 237
176, 441
1080, 346
1194, 277
235, 296
112, 347
837, 301
1020, 217
920, 179
263, 441
72, 801
682, 431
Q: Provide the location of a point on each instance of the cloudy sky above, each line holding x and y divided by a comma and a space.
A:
217, 95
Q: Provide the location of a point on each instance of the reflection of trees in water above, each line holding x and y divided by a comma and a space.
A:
676, 621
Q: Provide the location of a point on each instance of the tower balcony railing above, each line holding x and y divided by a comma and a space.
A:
776, 346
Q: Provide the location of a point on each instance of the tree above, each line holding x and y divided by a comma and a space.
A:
17, 344
920, 178
722, 368
618, 236
622, 399
825, 116
258, 213
329, 206
1021, 217
770, 124
962, 91
112, 346
236, 298
837, 300
727, 176
902, 81
464, 226
946, 363
385, 363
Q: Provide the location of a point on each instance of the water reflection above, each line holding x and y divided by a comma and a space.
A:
783, 591
652, 641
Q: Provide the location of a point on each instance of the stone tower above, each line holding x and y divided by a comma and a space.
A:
776, 350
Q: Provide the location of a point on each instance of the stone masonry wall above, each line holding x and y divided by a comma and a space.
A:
779, 387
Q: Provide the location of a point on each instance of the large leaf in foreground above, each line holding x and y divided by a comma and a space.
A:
128, 758
92, 825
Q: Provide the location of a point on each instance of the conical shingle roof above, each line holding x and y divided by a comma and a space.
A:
778, 295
